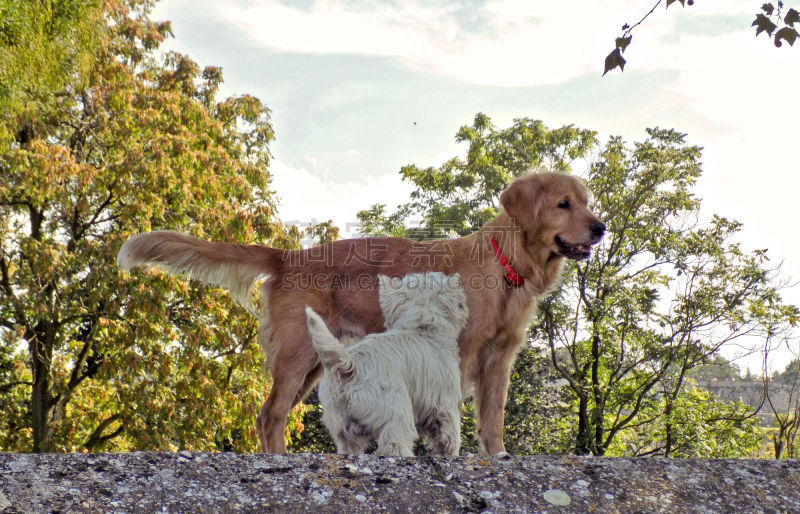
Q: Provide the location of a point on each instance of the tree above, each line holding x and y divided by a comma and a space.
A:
767, 21
314, 436
782, 395
715, 368
790, 373
660, 295
93, 358
701, 425
44, 46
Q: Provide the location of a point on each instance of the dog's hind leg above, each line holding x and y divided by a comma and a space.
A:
294, 372
311, 381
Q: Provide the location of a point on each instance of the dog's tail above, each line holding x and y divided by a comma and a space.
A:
232, 266
331, 352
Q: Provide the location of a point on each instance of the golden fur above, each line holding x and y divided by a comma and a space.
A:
544, 219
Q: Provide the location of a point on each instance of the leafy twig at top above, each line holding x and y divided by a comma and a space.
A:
767, 21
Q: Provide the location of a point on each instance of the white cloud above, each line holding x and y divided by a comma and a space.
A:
515, 48
307, 198
521, 42
443, 157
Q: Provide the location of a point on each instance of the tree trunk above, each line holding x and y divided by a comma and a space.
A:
599, 403
584, 436
668, 429
777, 441
41, 352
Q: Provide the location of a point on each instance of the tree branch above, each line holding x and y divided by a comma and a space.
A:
97, 438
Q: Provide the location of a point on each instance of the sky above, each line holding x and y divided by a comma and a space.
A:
358, 88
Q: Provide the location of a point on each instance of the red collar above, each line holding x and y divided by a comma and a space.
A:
513, 279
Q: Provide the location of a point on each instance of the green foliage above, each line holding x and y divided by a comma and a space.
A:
97, 359
701, 425
324, 232
782, 395
45, 46
375, 221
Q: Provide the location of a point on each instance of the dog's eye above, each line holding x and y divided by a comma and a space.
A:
563, 204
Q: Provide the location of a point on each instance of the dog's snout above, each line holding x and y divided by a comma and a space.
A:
597, 229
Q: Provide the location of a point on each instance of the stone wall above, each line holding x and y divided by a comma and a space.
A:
751, 392
227, 482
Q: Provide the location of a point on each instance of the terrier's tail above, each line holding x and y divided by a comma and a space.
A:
232, 266
331, 352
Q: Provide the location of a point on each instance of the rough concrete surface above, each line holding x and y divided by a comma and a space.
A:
227, 482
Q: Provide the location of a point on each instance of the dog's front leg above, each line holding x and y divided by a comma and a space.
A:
491, 388
399, 433
350, 446
444, 437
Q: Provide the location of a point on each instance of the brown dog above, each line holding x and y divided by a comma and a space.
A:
505, 267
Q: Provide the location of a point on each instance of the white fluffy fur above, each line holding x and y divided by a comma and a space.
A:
394, 386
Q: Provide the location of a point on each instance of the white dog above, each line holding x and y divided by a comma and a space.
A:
397, 385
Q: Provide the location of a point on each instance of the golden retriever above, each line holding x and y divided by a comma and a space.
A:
504, 267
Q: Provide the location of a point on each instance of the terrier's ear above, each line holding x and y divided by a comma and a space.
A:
392, 297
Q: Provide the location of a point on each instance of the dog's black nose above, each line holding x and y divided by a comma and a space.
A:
597, 229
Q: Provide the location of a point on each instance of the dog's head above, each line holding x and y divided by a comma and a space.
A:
423, 299
552, 211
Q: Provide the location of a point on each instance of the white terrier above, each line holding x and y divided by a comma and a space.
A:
397, 385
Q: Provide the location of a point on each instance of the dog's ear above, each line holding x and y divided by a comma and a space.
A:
519, 199
522, 200
511, 198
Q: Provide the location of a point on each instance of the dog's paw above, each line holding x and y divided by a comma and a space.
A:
502, 456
